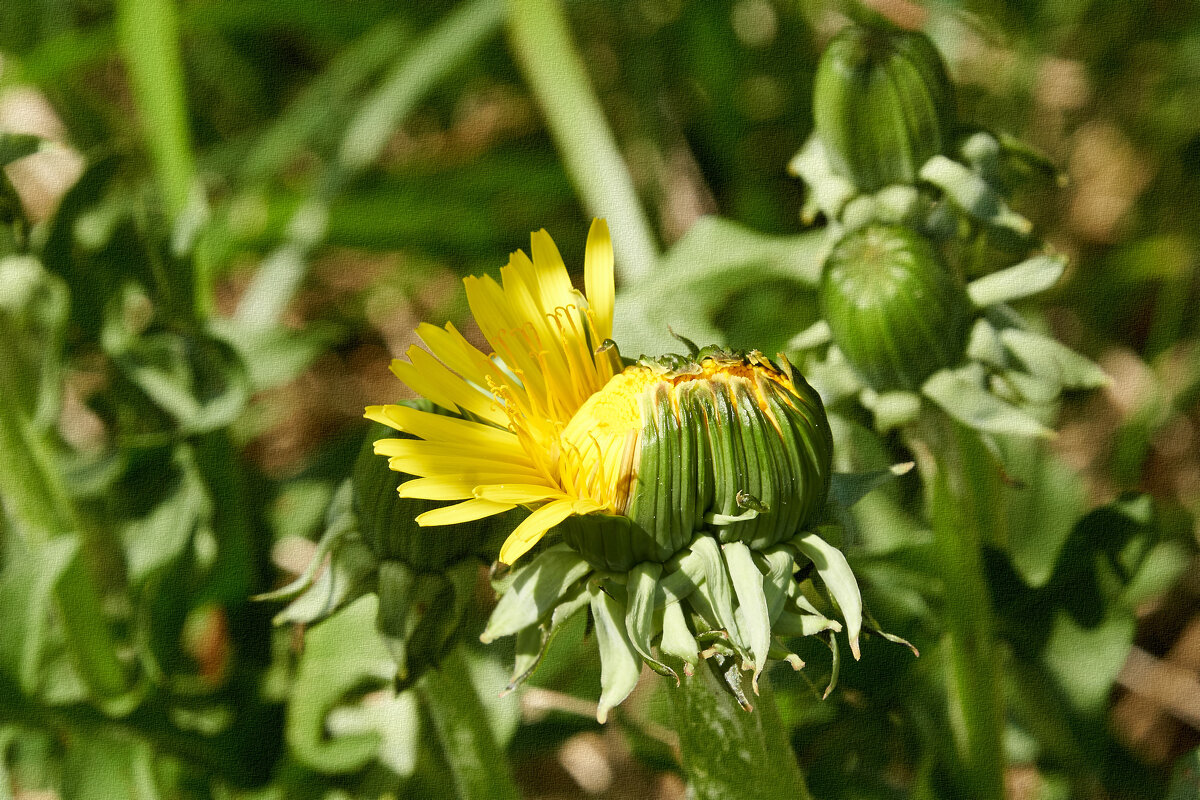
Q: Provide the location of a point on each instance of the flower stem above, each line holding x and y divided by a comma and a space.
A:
541, 42
947, 454
477, 764
729, 752
149, 37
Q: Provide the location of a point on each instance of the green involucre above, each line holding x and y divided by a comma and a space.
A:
893, 307
882, 104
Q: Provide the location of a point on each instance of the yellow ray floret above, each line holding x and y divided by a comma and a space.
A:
507, 446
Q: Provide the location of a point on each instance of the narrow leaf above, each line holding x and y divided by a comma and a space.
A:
1028, 278
1055, 362
972, 405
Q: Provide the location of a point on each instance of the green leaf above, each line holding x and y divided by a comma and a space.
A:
396, 720
427, 63
1052, 361
160, 500
847, 488
718, 590
839, 579
15, 146
677, 638
196, 379
343, 656
1030, 277
973, 195
33, 313
27, 585
619, 662
892, 409
319, 105
420, 614
963, 398
536, 589
276, 355
1088, 681
642, 585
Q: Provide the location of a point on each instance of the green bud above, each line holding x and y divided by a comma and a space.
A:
894, 309
882, 104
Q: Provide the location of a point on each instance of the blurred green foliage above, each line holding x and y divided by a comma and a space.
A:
270, 196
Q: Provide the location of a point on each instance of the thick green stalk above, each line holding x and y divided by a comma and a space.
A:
477, 764
729, 752
148, 32
542, 44
944, 451
34, 494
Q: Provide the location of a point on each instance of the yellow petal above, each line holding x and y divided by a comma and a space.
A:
429, 467
450, 487
512, 492
430, 378
533, 528
553, 279
458, 354
598, 280
435, 427
419, 448
468, 511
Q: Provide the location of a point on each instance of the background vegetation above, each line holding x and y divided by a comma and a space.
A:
230, 215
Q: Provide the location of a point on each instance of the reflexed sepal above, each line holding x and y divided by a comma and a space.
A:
729, 605
894, 309
882, 104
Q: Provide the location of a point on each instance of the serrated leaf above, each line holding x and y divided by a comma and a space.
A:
198, 380
342, 655
1028, 278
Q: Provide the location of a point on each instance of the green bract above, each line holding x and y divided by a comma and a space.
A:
882, 104
893, 308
